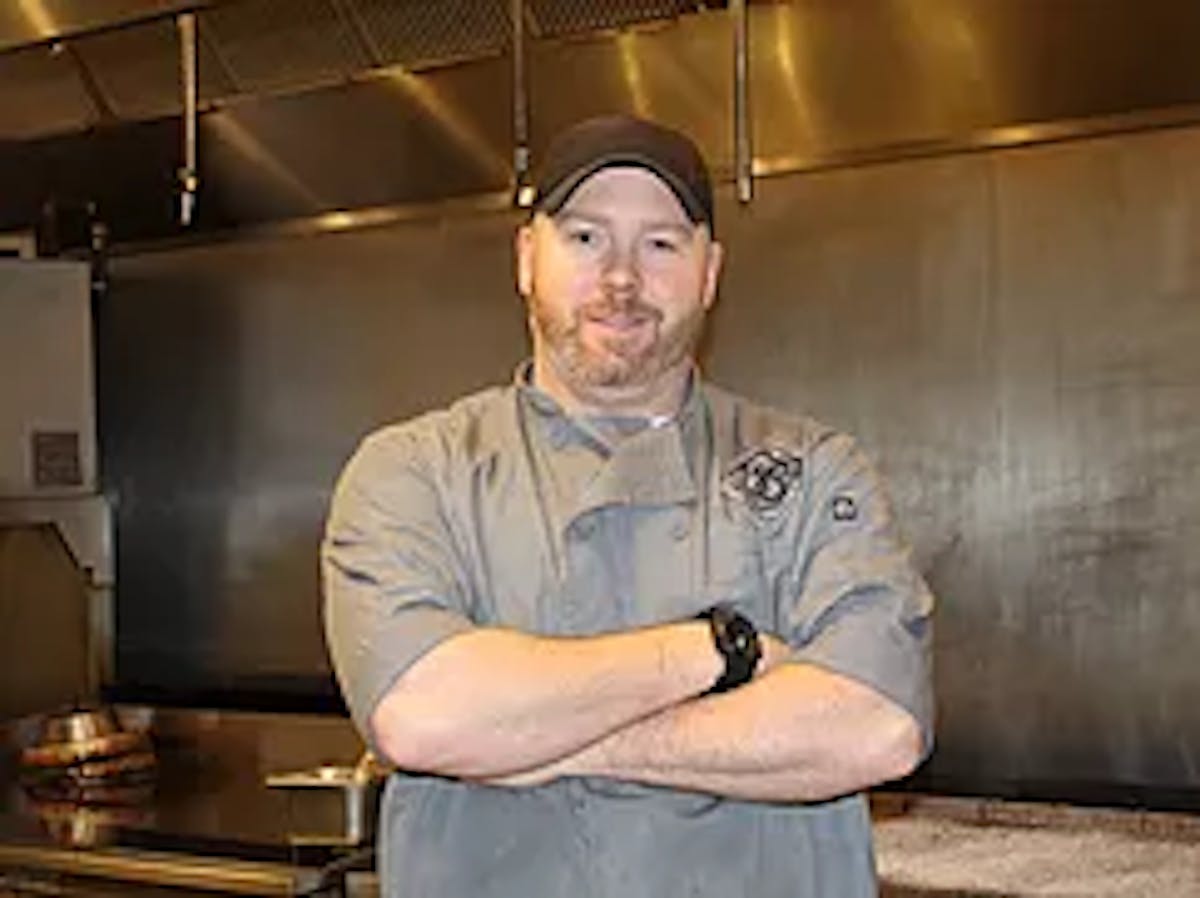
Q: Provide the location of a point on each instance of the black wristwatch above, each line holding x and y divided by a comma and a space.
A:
735, 637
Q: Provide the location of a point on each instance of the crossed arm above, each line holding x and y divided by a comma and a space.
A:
513, 709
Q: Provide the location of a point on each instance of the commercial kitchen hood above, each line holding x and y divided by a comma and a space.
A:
312, 109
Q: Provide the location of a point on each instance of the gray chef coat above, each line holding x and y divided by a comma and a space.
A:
502, 510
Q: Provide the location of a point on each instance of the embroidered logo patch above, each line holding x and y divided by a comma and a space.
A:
844, 508
762, 477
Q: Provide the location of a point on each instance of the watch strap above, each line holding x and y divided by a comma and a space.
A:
736, 640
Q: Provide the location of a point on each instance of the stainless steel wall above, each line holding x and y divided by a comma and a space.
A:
235, 380
1013, 334
1010, 333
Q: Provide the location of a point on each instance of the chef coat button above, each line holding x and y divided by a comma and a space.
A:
680, 527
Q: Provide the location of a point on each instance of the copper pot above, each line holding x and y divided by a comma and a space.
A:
80, 735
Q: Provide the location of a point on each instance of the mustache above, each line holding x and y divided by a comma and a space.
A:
608, 305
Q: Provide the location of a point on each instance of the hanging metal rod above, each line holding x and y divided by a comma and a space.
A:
743, 152
189, 177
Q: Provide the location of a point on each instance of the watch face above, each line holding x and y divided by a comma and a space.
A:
753, 646
742, 635
743, 648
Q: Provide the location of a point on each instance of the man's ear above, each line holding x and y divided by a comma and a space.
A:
523, 244
712, 272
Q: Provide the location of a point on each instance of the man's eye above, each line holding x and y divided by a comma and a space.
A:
664, 245
583, 236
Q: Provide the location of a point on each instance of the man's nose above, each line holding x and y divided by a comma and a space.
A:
621, 273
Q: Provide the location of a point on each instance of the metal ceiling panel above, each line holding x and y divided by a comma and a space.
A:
421, 33
399, 137
268, 47
275, 45
138, 69
41, 92
24, 22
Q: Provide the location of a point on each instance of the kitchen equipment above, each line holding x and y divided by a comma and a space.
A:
336, 805
78, 735
83, 772
86, 825
49, 479
210, 825
48, 412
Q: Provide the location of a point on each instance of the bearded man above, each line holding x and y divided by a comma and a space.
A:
623, 633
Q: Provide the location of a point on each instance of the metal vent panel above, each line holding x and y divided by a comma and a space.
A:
25, 22
138, 70
40, 92
551, 18
419, 33
271, 45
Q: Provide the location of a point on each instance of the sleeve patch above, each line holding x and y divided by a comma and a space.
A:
763, 478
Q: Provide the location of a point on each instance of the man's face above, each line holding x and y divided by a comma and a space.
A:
618, 282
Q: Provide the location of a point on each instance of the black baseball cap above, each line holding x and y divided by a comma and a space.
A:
617, 140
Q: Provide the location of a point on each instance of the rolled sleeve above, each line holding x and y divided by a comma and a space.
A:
392, 584
857, 605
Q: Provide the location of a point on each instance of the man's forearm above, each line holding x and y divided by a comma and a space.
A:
490, 701
799, 733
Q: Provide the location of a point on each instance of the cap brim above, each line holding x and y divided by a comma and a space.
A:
552, 202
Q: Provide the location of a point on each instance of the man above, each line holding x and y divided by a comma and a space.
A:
624, 633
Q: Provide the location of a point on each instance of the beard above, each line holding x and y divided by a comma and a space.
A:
614, 360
